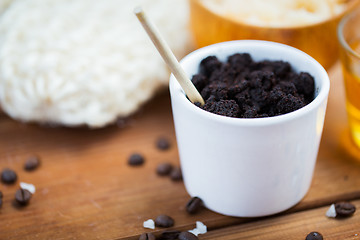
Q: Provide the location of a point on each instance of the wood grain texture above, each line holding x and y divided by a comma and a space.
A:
293, 226
86, 190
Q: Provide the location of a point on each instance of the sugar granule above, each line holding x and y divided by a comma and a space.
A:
331, 212
149, 224
28, 186
200, 229
195, 231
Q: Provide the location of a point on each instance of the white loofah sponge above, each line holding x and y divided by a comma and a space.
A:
84, 62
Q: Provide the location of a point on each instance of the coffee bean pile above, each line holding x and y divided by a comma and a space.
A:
243, 88
9, 177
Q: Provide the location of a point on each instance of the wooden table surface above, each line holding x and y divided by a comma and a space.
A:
86, 190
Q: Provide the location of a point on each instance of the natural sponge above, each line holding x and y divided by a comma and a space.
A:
84, 62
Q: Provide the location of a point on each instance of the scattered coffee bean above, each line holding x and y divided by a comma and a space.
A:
147, 236
169, 235
314, 236
8, 176
22, 196
344, 209
164, 169
164, 221
187, 236
1, 195
162, 144
136, 159
193, 205
176, 174
32, 163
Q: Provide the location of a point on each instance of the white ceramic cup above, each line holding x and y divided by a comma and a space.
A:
249, 167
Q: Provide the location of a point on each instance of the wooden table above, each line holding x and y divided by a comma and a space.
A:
86, 190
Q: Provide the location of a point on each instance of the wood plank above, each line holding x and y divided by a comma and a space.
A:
337, 171
293, 226
85, 190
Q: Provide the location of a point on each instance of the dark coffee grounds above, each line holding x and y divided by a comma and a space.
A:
243, 88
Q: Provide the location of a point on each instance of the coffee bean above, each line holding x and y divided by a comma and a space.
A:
176, 174
164, 169
8, 176
187, 236
344, 209
164, 221
136, 159
162, 144
22, 196
147, 236
32, 163
169, 235
314, 236
1, 194
193, 205
1, 202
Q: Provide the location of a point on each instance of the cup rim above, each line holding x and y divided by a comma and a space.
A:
340, 31
177, 92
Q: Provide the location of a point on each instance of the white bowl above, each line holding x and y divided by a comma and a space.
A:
249, 167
